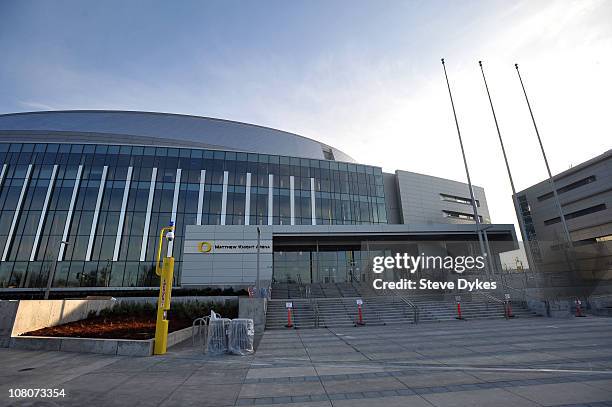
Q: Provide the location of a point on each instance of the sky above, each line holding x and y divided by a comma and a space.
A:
362, 76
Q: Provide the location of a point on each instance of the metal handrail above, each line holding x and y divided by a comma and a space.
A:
491, 297
315, 309
597, 296
352, 280
415, 309
300, 285
522, 293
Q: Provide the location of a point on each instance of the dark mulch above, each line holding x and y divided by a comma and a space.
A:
117, 327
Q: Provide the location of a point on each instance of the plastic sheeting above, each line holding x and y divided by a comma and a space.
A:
217, 336
240, 336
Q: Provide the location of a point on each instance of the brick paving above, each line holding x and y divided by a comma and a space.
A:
521, 362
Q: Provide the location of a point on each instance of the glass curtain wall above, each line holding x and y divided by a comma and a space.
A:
123, 195
326, 266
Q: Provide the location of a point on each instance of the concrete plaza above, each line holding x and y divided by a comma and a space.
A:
521, 362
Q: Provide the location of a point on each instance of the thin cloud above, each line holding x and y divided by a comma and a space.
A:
36, 105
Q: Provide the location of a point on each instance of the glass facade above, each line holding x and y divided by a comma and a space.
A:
108, 202
325, 266
352, 262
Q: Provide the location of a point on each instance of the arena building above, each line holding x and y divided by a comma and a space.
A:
85, 193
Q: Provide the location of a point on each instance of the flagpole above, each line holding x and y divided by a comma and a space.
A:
550, 177
467, 171
514, 196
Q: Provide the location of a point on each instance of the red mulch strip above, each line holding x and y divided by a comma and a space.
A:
120, 327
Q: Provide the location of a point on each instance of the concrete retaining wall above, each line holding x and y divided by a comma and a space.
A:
19, 316
255, 309
122, 347
554, 309
8, 310
36, 314
601, 306
538, 306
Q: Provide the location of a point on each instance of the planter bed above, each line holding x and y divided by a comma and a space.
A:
124, 329
125, 347
116, 327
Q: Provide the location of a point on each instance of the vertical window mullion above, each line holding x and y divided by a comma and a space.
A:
126, 192
270, 199
292, 198
3, 174
94, 222
147, 223
224, 197
75, 191
312, 202
247, 199
177, 186
201, 197
24, 188
43, 214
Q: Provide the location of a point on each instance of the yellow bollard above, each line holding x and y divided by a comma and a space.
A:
166, 275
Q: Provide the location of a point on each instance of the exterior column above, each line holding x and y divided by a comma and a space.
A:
126, 193
9, 238
147, 224
43, 214
75, 192
292, 198
270, 199
94, 222
224, 197
175, 198
201, 197
247, 203
312, 201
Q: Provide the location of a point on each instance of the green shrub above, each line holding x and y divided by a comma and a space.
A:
137, 309
191, 310
188, 310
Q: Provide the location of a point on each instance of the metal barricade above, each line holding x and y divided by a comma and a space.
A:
216, 343
241, 335
197, 333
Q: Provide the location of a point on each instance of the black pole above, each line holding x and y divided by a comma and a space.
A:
467, 171
550, 177
514, 197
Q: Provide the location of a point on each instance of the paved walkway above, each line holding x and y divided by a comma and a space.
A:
535, 362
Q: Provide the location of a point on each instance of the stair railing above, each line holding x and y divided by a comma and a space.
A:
407, 303
315, 309
490, 298
300, 285
522, 294
352, 278
415, 309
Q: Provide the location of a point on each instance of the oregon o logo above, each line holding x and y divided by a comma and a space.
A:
204, 247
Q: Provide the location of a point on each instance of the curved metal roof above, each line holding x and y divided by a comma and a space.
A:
151, 128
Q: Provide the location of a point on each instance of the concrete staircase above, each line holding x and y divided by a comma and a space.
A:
334, 305
475, 309
302, 314
339, 312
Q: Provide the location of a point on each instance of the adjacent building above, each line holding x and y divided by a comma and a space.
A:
585, 194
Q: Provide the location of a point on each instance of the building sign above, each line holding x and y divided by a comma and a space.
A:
204, 247
227, 246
